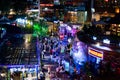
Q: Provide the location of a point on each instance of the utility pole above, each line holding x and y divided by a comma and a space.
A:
90, 6
38, 9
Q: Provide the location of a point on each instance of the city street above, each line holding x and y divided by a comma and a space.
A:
59, 39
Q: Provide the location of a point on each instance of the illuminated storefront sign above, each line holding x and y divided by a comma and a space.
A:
95, 53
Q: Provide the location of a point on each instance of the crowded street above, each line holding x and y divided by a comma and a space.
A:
59, 39
55, 55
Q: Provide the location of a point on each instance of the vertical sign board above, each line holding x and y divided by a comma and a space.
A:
95, 53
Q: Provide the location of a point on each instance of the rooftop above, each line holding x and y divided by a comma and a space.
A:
16, 52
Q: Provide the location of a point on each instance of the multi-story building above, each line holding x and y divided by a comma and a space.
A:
106, 5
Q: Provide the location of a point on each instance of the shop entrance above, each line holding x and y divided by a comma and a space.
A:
92, 59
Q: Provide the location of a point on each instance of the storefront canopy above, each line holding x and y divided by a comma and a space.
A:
99, 22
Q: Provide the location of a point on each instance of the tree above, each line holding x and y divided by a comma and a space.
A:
20, 5
40, 28
5, 5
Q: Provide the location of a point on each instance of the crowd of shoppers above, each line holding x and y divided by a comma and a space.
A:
54, 46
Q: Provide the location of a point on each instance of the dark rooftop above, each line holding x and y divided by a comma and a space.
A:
16, 52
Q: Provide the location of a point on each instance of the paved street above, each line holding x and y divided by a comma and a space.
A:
53, 65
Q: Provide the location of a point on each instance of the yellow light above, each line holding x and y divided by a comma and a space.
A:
117, 10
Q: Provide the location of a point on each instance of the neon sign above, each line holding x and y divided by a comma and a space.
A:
46, 5
95, 53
